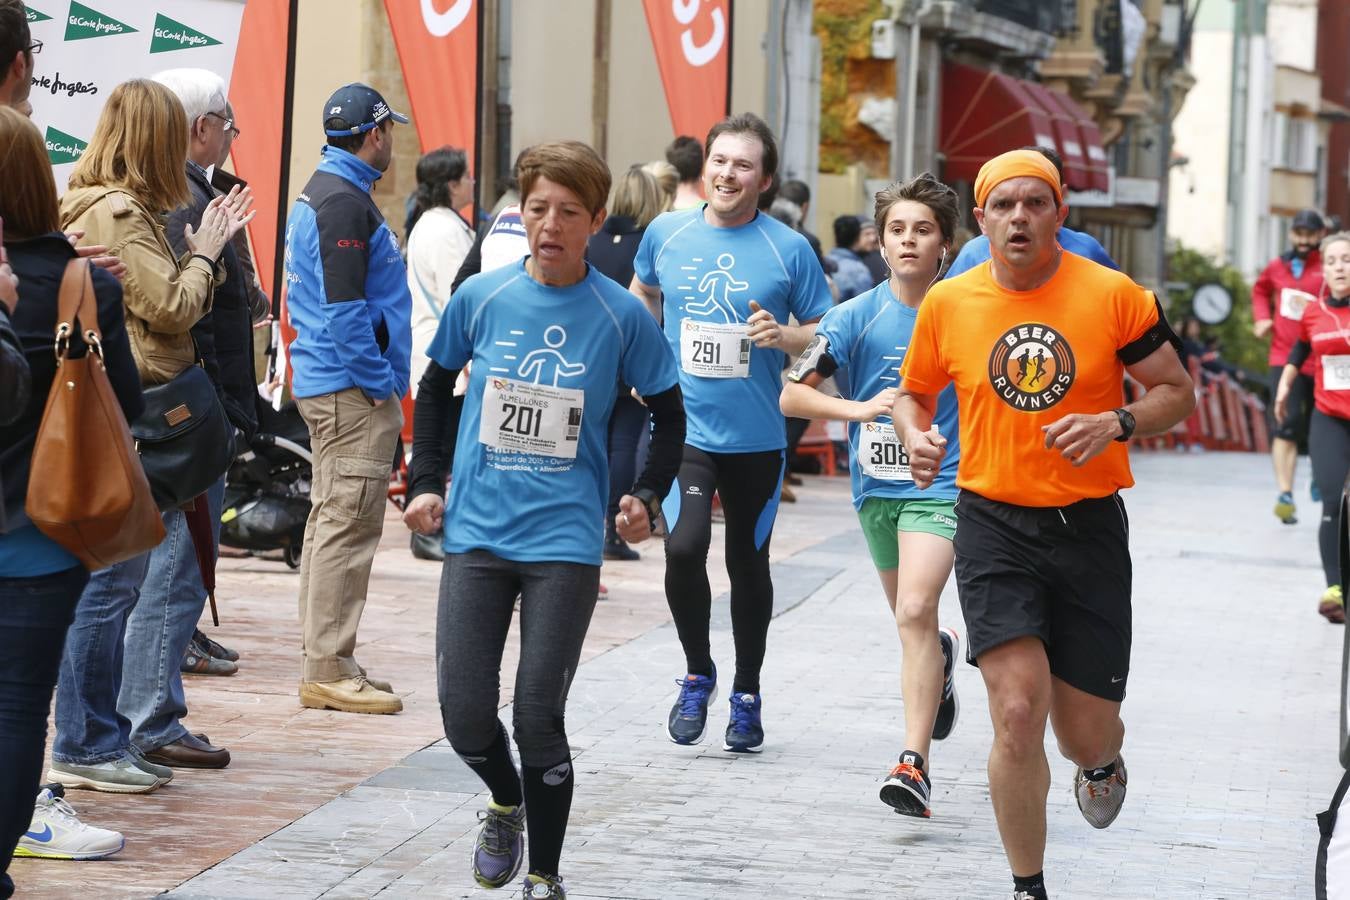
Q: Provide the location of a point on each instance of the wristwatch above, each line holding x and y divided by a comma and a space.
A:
652, 502
1126, 424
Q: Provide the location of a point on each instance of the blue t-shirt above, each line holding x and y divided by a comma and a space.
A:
708, 277
531, 482
976, 251
868, 337
26, 552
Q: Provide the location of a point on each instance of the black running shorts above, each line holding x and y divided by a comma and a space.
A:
1298, 408
1061, 574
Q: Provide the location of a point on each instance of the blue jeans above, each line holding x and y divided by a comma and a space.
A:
159, 630
34, 616
89, 729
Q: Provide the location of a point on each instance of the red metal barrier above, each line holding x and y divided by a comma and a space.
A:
1226, 416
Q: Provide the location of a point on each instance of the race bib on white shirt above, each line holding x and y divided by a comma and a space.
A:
1336, 373
881, 454
531, 418
1293, 302
715, 350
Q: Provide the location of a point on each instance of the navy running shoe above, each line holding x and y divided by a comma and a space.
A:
689, 716
745, 732
948, 706
500, 847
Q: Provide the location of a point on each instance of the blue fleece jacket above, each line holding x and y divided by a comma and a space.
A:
346, 286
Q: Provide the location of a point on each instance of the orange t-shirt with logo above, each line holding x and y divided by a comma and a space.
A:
1024, 359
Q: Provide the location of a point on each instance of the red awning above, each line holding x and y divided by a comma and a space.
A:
987, 113
1094, 155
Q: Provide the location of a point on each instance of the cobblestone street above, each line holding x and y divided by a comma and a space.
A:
1232, 718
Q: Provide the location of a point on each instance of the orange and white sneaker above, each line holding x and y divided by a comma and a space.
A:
907, 789
1100, 793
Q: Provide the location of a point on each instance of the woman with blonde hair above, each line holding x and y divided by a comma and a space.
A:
40, 582
667, 179
133, 171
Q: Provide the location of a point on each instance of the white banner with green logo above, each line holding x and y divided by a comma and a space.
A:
89, 48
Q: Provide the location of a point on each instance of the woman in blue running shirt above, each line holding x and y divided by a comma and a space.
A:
861, 343
548, 337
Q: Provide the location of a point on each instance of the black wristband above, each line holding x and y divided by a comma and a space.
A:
206, 259
648, 498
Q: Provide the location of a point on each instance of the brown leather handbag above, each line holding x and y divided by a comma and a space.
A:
86, 489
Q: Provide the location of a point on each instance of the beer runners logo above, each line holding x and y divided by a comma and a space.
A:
171, 35
1032, 367
62, 148
83, 23
34, 15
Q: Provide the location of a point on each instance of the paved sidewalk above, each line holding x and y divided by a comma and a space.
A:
1232, 718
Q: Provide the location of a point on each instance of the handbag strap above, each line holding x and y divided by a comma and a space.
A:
76, 306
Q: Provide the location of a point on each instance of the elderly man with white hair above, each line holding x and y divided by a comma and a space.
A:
160, 632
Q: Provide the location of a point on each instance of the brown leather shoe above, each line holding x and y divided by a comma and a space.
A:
190, 752
355, 695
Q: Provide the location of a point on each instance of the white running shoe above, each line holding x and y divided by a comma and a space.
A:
119, 776
1100, 801
56, 833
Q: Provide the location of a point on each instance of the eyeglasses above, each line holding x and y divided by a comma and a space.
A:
228, 125
35, 47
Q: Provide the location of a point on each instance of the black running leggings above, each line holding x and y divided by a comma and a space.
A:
1329, 447
748, 485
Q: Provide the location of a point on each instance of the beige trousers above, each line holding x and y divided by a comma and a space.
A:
353, 445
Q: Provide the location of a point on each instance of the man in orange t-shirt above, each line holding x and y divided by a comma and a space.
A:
1037, 342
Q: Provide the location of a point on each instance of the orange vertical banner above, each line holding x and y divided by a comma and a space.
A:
692, 39
257, 93
437, 43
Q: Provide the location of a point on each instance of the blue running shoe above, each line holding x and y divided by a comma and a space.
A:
500, 848
745, 733
689, 716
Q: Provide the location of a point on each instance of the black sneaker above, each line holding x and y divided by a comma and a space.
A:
907, 789
689, 716
948, 706
618, 550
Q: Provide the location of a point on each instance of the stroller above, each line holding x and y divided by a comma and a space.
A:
267, 487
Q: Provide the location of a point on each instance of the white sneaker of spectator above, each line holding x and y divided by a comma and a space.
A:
57, 833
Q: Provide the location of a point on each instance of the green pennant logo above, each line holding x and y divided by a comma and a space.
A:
34, 15
62, 148
83, 23
171, 35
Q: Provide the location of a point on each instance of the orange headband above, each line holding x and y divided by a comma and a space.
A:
1015, 164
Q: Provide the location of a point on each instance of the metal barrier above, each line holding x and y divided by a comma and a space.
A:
1227, 416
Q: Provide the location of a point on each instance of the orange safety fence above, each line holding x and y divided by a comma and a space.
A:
1227, 416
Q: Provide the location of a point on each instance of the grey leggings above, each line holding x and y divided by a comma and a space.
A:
478, 594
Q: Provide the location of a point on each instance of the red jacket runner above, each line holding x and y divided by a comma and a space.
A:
1278, 295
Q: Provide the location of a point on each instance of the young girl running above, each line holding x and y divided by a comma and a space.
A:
861, 343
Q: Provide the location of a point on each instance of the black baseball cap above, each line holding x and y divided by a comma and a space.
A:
1308, 219
356, 108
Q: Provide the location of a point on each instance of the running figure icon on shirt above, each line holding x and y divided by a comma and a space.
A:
719, 285
539, 362
1038, 367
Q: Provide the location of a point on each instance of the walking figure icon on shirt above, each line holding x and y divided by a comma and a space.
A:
539, 362
719, 285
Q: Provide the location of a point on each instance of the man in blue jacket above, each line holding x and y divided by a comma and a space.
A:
976, 250
347, 296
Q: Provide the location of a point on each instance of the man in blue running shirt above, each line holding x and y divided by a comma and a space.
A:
976, 250
725, 280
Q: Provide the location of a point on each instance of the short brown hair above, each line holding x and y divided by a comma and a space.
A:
139, 145
28, 202
15, 37
925, 189
573, 165
753, 125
